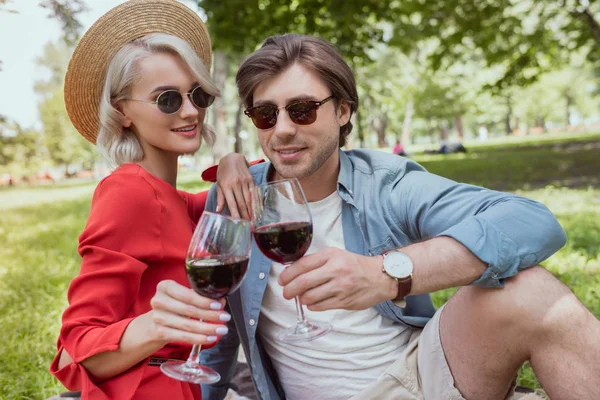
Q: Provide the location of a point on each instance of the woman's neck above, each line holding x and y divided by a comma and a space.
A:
162, 165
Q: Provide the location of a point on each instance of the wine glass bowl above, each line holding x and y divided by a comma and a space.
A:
216, 264
282, 229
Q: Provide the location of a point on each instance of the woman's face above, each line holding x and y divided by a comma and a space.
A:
177, 133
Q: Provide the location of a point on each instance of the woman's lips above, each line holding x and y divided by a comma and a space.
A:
188, 131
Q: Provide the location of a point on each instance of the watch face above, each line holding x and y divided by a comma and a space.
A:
398, 265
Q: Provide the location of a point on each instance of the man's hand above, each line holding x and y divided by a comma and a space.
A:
337, 279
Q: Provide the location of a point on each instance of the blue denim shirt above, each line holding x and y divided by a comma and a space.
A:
390, 202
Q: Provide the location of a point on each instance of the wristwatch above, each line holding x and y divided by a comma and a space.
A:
399, 266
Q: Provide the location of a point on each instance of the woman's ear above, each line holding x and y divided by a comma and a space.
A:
125, 120
344, 113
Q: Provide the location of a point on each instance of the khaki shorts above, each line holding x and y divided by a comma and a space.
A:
421, 372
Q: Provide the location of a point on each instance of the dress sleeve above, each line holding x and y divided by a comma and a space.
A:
121, 238
210, 173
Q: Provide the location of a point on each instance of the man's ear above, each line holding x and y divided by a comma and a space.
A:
344, 113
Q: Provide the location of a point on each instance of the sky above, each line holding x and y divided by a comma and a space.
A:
22, 38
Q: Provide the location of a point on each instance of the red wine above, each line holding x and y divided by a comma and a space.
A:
216, 277
284, 242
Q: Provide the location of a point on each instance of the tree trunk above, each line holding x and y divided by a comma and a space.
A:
443, 125
360, 130
219, 113
539, 121
380, 125
507, 127
237, 146
568, 109
458, 125
407, 124
588, 18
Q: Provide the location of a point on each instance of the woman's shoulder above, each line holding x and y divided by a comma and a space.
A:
125, 190
124, 203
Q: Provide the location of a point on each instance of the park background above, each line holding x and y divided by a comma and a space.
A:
515, 81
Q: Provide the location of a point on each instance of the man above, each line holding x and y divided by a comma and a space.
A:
388, 341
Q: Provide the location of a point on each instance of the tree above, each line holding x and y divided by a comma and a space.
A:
238, 27
64, 144
525, 37
19, 148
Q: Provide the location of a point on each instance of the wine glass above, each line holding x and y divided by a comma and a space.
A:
216, 263
282, 229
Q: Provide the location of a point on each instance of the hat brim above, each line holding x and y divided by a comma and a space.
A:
131, 20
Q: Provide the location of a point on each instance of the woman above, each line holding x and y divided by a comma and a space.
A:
139, 80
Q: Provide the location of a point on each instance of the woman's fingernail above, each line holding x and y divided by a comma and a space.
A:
225, 317
211, 339
215, 305
222, 330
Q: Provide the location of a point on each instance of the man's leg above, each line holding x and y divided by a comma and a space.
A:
487, 334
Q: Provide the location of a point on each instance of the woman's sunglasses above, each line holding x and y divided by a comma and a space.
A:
170, 101
302, 112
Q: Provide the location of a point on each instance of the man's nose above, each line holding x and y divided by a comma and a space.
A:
284, 125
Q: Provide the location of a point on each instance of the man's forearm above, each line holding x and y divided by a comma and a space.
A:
442, 263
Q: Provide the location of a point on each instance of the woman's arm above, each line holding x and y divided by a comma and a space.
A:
170, 320
234, 184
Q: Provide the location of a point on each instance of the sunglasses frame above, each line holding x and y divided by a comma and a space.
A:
315, 106
188, 94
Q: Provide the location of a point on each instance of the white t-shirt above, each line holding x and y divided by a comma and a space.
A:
361, 346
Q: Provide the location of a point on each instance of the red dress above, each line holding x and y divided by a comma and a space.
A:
137, 235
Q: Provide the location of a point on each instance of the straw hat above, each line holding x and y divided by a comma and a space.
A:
129, 21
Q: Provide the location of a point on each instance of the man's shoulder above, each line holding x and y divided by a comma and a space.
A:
258, 171
369, 161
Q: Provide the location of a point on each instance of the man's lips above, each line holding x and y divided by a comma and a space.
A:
288, 153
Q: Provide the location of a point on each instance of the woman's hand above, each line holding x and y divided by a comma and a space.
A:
234, 184
176, 314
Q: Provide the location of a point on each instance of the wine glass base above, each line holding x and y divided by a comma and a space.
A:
194, 374
304, 332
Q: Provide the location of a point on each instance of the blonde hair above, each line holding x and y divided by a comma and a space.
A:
118, 144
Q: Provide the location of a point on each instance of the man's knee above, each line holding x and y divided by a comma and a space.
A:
532, 298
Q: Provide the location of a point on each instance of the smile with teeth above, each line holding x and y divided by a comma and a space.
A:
187, 129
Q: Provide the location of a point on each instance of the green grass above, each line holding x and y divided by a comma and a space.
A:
38, 255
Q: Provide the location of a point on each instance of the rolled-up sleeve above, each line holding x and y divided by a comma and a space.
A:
507, 232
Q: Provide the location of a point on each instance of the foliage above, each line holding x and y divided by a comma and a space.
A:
64, 144
66, 11
239, 26
524, 37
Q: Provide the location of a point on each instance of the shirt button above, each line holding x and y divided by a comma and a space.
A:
261, 275
251, 322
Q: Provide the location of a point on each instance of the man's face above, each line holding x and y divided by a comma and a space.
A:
301, 151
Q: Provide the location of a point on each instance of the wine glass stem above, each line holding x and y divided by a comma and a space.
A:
193, 357
300, 310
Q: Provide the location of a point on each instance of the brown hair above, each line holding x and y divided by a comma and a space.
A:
281, 52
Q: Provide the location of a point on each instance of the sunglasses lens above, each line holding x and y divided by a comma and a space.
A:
264, 117
169, 102
302, 113
201, 99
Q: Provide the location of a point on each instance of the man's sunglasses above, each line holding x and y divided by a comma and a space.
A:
170, 101
302, 112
